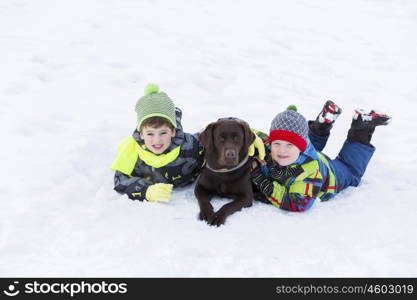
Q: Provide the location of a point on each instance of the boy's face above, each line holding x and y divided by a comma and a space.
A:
157, 140
284, 153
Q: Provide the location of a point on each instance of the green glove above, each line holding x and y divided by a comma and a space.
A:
258, 144
159, 192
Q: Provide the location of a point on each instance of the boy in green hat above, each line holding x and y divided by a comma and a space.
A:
159, 155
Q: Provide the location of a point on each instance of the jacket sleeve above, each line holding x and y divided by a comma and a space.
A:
298, 197
134, 187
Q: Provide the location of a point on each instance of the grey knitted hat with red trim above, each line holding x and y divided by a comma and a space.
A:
290, 126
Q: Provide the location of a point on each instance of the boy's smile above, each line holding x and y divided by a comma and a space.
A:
157, 140
157, 146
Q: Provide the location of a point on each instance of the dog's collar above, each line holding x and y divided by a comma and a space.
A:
225, 170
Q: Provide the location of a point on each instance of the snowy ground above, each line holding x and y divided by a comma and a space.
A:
71, 72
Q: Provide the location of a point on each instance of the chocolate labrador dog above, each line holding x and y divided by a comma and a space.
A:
227, 169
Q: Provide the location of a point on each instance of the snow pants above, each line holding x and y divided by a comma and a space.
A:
350, 165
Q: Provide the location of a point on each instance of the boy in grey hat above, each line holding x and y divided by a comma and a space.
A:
296, 173
159, 155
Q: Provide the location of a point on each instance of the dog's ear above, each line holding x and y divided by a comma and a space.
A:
249, 136
206, 138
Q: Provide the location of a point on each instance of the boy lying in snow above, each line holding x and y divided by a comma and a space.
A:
295, 172
159, 155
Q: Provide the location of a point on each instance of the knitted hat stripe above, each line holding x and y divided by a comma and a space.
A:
155, 115
288, 136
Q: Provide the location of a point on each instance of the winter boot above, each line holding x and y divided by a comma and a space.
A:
324, 121
363, 125
369, 119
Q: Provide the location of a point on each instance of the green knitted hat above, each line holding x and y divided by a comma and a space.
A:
155, 104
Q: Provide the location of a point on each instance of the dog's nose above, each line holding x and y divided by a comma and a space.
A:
230, 154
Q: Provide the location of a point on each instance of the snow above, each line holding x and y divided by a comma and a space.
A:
71, 72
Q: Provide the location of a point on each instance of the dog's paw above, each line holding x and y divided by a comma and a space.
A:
219, 218
206, 215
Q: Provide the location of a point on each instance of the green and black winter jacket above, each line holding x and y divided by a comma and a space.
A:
136, 168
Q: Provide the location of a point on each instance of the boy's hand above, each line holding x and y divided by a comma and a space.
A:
159, 192
258, 144
256, 162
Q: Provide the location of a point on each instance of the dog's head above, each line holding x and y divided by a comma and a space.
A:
226, 143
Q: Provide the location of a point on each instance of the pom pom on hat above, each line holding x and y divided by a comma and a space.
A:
292, 107
151, 88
